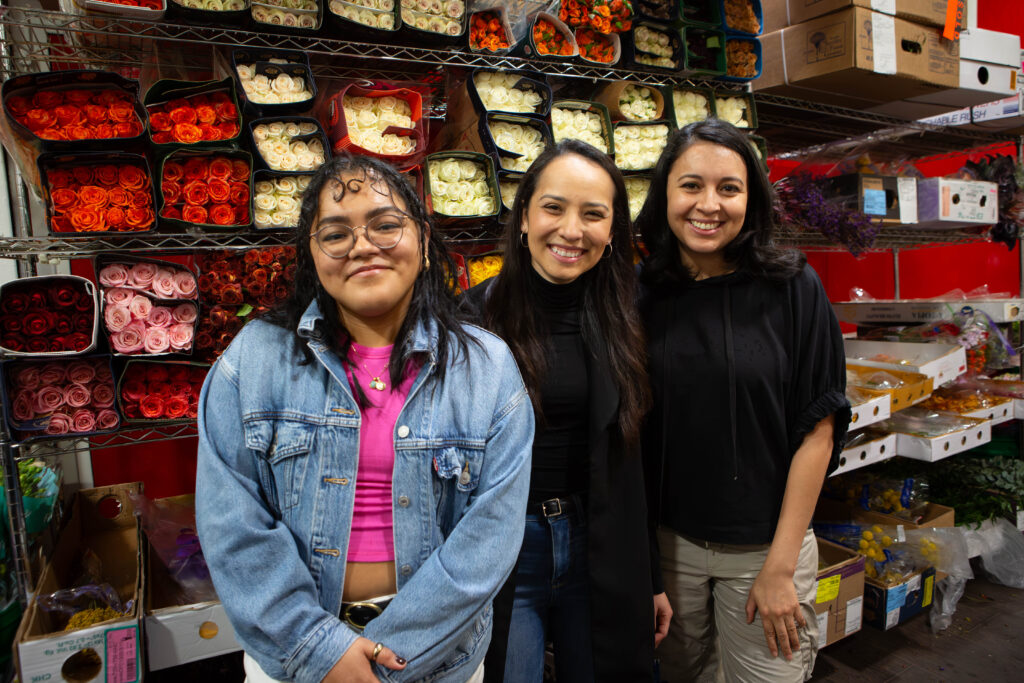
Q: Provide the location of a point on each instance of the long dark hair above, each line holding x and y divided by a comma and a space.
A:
752, 250
609, 307
432, 297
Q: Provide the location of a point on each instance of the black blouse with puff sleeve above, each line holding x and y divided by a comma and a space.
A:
742, 370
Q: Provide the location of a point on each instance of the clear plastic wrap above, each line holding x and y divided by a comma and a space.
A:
74, 608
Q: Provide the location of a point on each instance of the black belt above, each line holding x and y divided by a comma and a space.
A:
555, 506
361, 612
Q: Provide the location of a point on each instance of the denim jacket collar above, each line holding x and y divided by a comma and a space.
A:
424, 334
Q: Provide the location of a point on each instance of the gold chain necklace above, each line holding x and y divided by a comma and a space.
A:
375, 381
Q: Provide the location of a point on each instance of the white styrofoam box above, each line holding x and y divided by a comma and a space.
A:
875, 410
183, 634
868, 453
941, 362
997, 414
951, 203
994, 47
939, 447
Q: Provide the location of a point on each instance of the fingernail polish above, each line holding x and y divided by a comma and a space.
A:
400, 660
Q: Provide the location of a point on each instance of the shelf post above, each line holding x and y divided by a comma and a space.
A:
896, 272
16, 517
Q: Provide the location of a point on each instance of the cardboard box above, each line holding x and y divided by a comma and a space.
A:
916, 387
875, 409
940, 447
839, 592
933, 516
781, 13
951, 203
867, 453
103, 521
857, 57
181, 633
876, 196
888, 606
941, 362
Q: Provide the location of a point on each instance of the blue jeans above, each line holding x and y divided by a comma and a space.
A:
552, 602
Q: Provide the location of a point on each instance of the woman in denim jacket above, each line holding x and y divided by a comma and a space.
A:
363, 455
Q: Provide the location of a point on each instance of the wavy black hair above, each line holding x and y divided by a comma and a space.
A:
753, 250
432, 296
609, 307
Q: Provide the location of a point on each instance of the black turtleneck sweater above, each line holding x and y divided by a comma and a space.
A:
560, 462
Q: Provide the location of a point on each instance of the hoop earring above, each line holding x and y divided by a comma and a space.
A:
607, 251
523, 240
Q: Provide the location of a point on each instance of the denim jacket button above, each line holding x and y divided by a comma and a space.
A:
403, 501
403, 432
406, 570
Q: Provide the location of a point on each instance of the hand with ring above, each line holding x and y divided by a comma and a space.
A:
356, 665
773, 596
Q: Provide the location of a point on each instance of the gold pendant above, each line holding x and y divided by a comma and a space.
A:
377, 384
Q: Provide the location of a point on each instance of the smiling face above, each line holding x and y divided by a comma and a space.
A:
369, 283
568, 220
707, 203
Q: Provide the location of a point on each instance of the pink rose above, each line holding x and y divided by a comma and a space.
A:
142, 275
156, 340
103, 372
102, 395
185, 313
23, 407
107, 419
52, 373
163, 284
181, 336
84, 420
140, 307
77, 396
81, 372
118, 296
114, 275
117, 317
49, 399
27, 377
159, 316
185, 284
130, 339
59, 424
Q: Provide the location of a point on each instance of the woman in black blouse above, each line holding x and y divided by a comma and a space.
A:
564, 302
748, 377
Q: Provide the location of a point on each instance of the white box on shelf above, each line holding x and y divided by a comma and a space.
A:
939, 447
875, 410
188, 633
997, 414
941, 362
868, 453
994, 47
923, 310
951, 203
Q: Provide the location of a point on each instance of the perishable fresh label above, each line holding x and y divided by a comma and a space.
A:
854, 614
892, 618
823, 629
828, 589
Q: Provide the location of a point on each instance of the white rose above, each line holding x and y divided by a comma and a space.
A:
516, 97
286, 187
454, 191
262, 219
357, 103
259, 133
386, 22
508, 193
470, 170
505, 141
264, 187
448, 170
265, 202
307, 161
481, 188
366, 119
483, 206
306, 128
289, 162
287, 204
393, 145
245, 72
279, 219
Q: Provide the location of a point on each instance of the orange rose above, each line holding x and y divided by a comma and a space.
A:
18, 105
142, 199
68, 115
131, 178
206, 114
220, 167
128, 129
39, 119
222, 214
140, 219
106, 174
115, 217
239, 170
87, 219
173, 171
63, 198
227, 111
78, 97
59, 177
171, 212
209, 132
78, 132
118, 197
196, 168
218, 189
121, 112
162, 137
181, 115
187, 133
227, 130
83, 174
51, 134
195, 193
61, 224
93, 196
160, 121
194, 214
104, 131
47, 99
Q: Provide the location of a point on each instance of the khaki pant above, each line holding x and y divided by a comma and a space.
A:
709, 638
254, 674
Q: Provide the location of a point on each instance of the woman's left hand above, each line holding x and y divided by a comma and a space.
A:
773, 596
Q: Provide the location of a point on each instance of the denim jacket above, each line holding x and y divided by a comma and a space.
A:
275, 489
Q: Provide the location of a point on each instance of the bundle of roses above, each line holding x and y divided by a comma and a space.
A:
498, 92
372, 13
460, 187
435, 16
637, 147
163, 281
733, 108
579, 124
282, 89
95, 114
210, 190
236, 284
654, 48
136, 325
278, 201
637, 103
108, 197
161, 391
199, 118
368, 117
278, 144
525, 140
215, 5
301, 17
47, 315
144, 4
69, 396
690, 106
637, 188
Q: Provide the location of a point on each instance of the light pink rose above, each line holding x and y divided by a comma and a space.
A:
180, 336
185, 313
84, 420
156, 340
103, 372
49, 399
118, 296
159, 316
142, 274
23, 407
59, 424
102, 395
77, 396
107, 419
81, 372
27, 377
140, 307
114, 275
163, 284
185, 284
52, 373
117, 317
130, 339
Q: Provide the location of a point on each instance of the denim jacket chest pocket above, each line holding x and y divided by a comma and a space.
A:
283, 443
456, 477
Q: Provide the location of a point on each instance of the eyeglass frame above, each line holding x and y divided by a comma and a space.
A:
366, 233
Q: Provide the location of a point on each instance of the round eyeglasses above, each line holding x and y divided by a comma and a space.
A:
383, 231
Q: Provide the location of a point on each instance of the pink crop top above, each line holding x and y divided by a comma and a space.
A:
371, 538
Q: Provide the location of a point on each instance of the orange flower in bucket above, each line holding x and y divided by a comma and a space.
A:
486, 32
549, 40
594, 46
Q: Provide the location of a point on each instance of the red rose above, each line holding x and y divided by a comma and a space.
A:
106, 174
81, 322
115, 217
222, 214
173, 171
156, 372
160, 121
62, 324
219, 97
133, 389
206, 114
63, 198
227, 130
63, 296
151, 406
87, 220
59, 177
69, 115
82, 174
95, 114
61, 224
175, 407
84, 303
139, 218
37, 298
78, 97
40, 119
93, 196
242, 214
19, 105
227, 111
181, 387
239, 170
231, 295
172, 212
37, 322
131, 411
219, 316
219, 190
116, 196
187, 132
11, 323
220, 168
14, 303
122, 112
37, 345
14, 342
194, 214
161, 388
209, 132
47, 99
196, 168
132, 178
184, 114
163, 137
171, 191
196, 193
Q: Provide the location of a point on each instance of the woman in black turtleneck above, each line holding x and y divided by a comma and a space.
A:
565, 303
